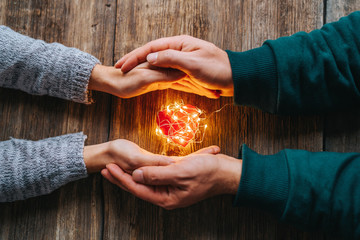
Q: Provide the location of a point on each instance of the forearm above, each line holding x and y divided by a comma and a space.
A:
33, 168
311, 190
326, 185
304, 73
40, 68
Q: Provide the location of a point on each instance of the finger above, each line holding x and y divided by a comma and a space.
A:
180, 87
171, 59
187, 82
200, 90
213, 92
208, 150
164, 75
107, 175
134, 58
156, 160
162, 175
147, 193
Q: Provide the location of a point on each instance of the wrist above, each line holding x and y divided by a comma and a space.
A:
96, 157
227, 72
230, 169
100, 78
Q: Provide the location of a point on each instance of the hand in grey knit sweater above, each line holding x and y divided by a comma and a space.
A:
39, 68
32, 168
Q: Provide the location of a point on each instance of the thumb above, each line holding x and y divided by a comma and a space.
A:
208, 150
170, 59
162, 175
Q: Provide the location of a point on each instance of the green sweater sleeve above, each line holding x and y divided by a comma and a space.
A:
312, 190
303, 73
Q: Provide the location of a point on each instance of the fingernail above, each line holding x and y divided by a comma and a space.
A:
216, 149
138, 176
152, 57
218, 93
117, 62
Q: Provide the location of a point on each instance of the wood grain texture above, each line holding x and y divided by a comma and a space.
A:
336, 9
75, 211
236, 25
95, 209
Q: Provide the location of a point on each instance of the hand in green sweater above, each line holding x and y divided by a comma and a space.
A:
315, 72
304, 73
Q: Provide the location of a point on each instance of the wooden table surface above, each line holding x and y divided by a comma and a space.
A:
95, 209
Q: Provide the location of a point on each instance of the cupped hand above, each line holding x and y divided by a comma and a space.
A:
206, 65
142, 79
123, 153
191, 179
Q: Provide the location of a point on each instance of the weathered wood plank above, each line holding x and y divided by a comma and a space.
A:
236, 25
2, 11
75, 211
336, 9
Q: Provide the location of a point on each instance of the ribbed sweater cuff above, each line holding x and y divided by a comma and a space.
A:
81, 66
34, 168
255, 78
264, 181
68, 164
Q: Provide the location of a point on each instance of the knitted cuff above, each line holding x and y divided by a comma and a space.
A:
264, 181
255, 78
80, 65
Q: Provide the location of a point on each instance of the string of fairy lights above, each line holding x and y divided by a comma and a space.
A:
181, 124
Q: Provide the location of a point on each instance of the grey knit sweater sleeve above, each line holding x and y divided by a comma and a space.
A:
40, 68
33, 168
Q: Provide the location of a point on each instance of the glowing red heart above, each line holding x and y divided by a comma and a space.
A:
179, 123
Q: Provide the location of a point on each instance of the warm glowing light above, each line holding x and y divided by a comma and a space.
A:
181, 124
